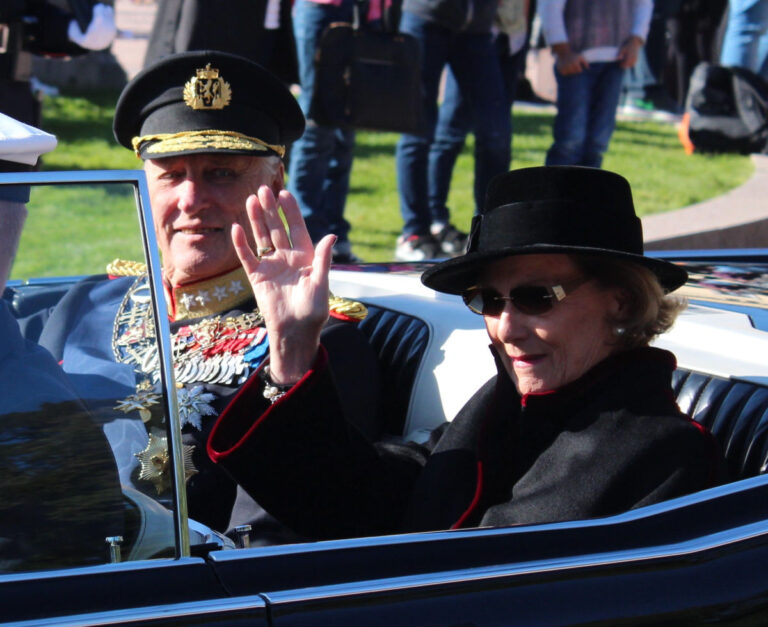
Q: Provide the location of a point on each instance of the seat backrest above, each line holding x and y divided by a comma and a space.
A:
736, 412
399, 341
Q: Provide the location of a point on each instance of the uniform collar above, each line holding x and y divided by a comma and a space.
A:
208, 297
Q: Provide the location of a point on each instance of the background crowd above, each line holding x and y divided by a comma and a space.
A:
636, 55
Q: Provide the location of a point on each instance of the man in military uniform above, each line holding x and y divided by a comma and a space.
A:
211, 129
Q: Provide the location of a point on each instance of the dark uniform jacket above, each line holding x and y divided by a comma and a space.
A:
608, 442
82, 333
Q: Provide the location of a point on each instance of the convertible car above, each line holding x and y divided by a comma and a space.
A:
692, 560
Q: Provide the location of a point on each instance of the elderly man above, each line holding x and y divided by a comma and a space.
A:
211, 129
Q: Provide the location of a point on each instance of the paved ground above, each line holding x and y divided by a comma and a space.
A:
738, 219
134, 23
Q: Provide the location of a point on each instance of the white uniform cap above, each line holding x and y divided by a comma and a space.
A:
22, 143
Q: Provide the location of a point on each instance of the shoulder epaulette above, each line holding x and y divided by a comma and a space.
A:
345, 309
122, 267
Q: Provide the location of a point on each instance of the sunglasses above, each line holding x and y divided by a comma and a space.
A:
531, 300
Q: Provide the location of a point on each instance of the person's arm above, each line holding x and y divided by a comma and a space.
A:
12, 217
641, 20
53, 31
553, 24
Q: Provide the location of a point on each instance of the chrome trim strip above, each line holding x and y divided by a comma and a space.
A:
497, 572
129, 616
152, 255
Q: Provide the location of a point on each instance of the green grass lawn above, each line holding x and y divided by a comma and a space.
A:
647, 153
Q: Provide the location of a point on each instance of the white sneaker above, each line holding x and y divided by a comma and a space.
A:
417, 248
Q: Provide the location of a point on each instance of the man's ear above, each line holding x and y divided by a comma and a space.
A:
278, 179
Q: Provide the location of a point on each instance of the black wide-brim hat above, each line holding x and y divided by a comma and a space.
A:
206, 101
552, 210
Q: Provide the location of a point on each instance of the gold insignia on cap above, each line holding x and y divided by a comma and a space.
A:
207, 90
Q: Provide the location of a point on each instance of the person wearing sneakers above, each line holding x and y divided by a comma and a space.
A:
457, 34
579, 422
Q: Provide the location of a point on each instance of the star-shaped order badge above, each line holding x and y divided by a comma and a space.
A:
156, 463
141, 401
193, 405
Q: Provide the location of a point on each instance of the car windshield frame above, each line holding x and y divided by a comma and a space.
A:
138, 181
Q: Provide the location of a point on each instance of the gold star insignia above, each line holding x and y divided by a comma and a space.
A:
156, 463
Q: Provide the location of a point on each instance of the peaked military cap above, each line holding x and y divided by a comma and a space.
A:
203, 102
552, 210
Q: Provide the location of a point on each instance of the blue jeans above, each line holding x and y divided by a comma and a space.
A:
746, 36
586, 115
454, 121
474, 63
321, 160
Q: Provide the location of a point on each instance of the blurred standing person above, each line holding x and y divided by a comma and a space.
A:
594, 41
457, 34
321, 159
746, 36
259, 30
454, 121
40, 27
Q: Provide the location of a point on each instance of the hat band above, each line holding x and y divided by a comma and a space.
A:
555, 223
196, 140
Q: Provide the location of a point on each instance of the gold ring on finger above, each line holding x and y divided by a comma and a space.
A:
263, 252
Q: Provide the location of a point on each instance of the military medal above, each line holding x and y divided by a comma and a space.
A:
155, 462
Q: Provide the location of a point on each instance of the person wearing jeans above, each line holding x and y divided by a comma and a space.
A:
746, 36
473, 60
453, 123
321, 160
594, 41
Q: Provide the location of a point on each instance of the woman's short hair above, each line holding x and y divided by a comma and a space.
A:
649, 311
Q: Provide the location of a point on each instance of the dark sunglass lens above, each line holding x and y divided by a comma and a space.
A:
483, 302
474, 300
531, 300
493, 303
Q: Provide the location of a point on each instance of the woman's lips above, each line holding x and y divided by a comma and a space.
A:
526, 360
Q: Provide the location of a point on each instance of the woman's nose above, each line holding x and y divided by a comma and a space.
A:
511, 324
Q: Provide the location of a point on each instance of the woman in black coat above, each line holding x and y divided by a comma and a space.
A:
580, 420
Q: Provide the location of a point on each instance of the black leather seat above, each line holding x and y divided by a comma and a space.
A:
399, 341
736, 412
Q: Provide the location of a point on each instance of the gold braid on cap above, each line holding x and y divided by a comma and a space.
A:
194, 140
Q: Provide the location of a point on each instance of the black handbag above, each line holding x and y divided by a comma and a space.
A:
367, 79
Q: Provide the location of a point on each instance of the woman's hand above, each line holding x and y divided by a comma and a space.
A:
289, 278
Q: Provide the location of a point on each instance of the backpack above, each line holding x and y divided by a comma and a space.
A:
727, 109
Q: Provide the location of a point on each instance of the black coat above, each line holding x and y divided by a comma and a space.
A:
609, 442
